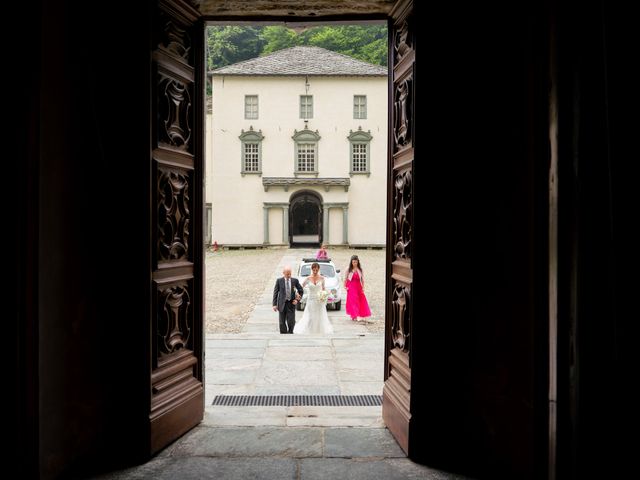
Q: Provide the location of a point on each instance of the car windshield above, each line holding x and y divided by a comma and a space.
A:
326, 270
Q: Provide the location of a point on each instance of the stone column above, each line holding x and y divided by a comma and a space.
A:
285, 225
325, 224
265, 209
345, 224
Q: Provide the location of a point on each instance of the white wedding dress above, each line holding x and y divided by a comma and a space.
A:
314, 319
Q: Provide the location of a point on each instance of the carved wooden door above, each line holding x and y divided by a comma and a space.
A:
396, 408
176, 391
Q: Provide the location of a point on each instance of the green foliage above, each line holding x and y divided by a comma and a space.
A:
232, 44
366, 43
277, 38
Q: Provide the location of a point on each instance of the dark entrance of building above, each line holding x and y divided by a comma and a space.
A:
305, 220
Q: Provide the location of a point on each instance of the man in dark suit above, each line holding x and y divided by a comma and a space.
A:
286, 294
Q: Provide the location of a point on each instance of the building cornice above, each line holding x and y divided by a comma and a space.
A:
287, 182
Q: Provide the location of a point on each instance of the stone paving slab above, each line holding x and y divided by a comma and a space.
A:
261, 328
368, 416
231, 377
298, 416
345, 358
199, 468
299, 340
213, 355
289, 353
360, 375
219, 416
230, 364
373, 364
360, 344
298, 390
249, 442
356, 469
235, 341
352, 442
361, 388
298, 372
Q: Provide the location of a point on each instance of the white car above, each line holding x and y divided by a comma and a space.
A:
331, 281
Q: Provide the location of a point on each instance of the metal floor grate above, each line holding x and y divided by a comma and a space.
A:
297, 400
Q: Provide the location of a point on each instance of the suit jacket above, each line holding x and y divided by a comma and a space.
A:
280, 292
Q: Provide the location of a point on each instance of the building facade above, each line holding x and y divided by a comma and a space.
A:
296, 151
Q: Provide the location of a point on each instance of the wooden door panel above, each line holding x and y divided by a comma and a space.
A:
176, 379
396, 408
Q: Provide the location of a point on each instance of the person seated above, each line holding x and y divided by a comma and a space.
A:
322, 253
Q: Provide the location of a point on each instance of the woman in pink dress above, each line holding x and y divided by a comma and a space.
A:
322, 254
357, 305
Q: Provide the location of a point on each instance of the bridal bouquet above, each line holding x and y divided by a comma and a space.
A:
323, 295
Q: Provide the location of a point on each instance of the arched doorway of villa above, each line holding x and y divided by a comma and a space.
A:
305, 219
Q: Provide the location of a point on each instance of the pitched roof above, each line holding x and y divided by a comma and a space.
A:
303, 61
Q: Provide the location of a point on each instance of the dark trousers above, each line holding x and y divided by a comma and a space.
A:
287, 317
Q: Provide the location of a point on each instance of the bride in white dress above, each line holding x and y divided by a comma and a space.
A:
314, 319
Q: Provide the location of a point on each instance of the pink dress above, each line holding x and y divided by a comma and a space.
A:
357, 305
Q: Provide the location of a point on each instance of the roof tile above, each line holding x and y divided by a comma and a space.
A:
303, 60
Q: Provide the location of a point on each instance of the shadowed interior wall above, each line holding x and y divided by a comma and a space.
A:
86, 97
477, 301
598, 126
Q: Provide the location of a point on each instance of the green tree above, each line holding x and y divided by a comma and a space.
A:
277, 38
358, 41
231, 44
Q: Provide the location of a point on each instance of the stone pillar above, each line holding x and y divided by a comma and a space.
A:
325, 224
285, 225
265, 209
345, 225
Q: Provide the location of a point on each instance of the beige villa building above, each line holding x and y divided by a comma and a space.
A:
296, 151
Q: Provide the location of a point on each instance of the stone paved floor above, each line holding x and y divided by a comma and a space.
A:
297, 442
270, 453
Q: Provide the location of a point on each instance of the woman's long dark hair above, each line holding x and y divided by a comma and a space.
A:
354, 257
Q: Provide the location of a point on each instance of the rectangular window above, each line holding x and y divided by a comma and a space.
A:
306, 157
306, 106
359, 160
359, 106
250, 107
251, 157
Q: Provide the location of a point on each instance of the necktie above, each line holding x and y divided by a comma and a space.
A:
288, 290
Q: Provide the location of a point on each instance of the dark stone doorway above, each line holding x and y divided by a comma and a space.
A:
305, 219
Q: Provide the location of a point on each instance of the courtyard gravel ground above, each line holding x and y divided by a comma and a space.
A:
235, 279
